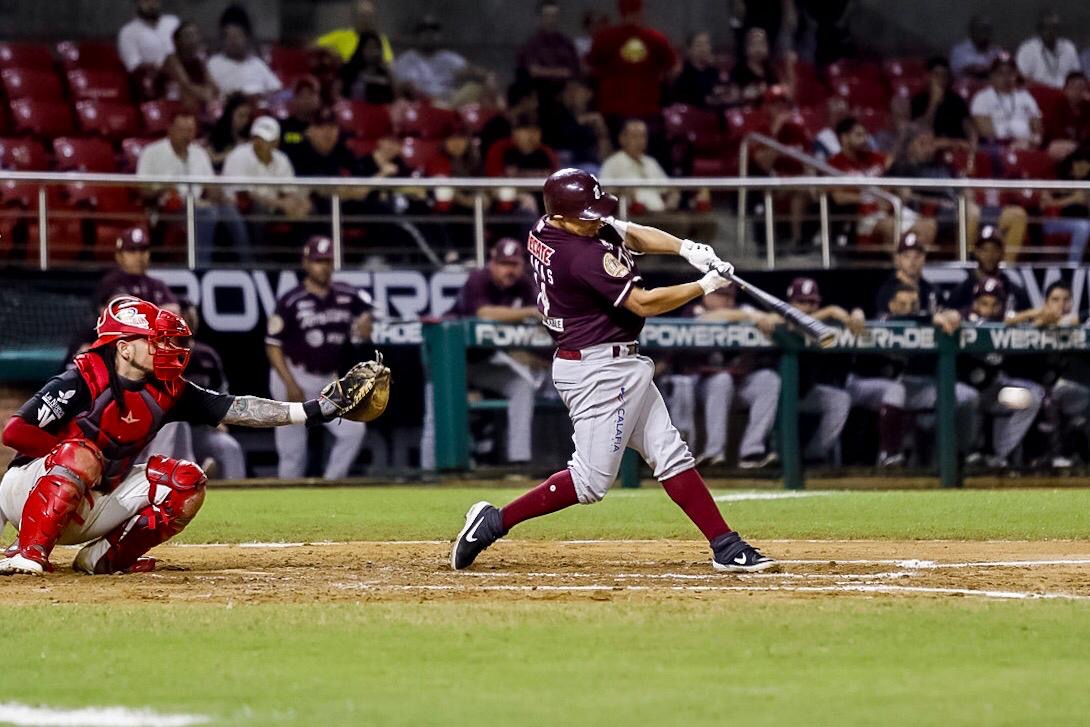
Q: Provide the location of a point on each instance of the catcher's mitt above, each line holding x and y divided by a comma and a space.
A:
361, 394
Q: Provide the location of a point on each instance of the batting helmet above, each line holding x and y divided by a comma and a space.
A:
578, 194
129, 317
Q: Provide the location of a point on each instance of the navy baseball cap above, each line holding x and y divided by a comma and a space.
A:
804, 290
507, 250
318, 247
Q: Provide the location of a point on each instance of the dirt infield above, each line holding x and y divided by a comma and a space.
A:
598, 570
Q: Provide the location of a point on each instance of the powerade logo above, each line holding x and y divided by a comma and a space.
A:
408, 333
711, 335
490, 334
1028, 339
905, 339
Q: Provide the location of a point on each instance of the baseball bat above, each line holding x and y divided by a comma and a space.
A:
823, 334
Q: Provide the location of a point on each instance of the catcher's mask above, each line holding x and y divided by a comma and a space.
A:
128, 317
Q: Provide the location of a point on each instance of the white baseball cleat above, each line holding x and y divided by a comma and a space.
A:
20, 564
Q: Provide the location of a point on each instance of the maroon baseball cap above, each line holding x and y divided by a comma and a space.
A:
989, 234
133, 239
911, 241
990, 285
804, 290
318, 247
507, 250
577, 193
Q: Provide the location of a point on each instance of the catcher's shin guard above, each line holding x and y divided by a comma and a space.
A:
121, 550
71, 468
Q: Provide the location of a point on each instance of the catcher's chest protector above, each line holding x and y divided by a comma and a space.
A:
120, 432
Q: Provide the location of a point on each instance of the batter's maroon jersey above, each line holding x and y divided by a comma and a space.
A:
583, 283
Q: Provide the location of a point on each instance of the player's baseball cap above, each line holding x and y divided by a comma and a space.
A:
318, 247
910, 241
989, 285
133, 239
267, 128
507, 250
989, 234
804, 290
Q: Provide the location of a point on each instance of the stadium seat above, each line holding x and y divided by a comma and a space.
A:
287, 63
31, 83
874, 120
968, 87
41, 118
700, 128
862, 92
847, 69
113, 119
26, 55
904, 70
475, 117
416, 153
813, 120
425, 121
157, 115
1029, 164
84, 155
742, 122
23, 155
359, 146
1049, 100
364, 120
130, 153
97, 84
809, 89
97, 55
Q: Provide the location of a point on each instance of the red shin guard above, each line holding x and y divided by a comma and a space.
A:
688, 491
555, 493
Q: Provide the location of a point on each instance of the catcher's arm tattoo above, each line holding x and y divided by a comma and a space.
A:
253, 411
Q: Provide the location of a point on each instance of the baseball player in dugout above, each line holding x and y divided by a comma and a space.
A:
132, 251
313, 326
593, 303
74, 480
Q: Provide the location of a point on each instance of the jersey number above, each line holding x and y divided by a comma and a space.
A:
543, 276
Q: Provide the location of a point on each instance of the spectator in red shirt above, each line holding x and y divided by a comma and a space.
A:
549, 58
1068, 125
630, 61
523, 155
457, 157
871, 215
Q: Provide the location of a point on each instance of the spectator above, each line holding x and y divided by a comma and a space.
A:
577, 133
132, 252
521, 100
827, 143
236, 68
768, 16
786, 128
630, 62
988, 251
231, 129
1003, 112
428, 70
1067, 126
321, 153
592, 23
185, 75
973, 57
305, 103
457, 157
632, 162
367, 76
872, 221
179, 155
345, 42
548, 59
908, 264
145, 41
754, 73
893, 136
1047, 58
700, 82
1073, 207
524, 155
943, 109
261, 158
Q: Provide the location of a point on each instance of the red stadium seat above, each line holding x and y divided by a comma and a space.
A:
287, 63
41, 118
157, 115
417, 153
84, 155
813, 120
904, 69
475, 117
113, 119
364, 120
1049, 100
1029, 164
359, 146
845, 69
862, 92
425, 121
809, 88
130, 153
742, 122
26, 55
98, 84
968, 87
23, 155
97, 55
700, 128
31, 83
874, 120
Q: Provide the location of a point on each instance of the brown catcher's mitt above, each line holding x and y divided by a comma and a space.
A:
361, 394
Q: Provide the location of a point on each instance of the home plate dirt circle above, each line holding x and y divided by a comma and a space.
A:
575, 570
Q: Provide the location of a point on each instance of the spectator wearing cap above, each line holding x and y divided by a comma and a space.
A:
231, 129
185, 77
576, 131
700, 82
631, 161
908, 264
548, 59
145, 41
261, 158
503, 291
179, 155
132, 252
1067, 125
1002, 111
324, 154
524, 154
942, 109
988, 251
428, 71
236, 68
1073, 207
306, 102
973, 56
310, 335
367, 76
345, 42
1046, 58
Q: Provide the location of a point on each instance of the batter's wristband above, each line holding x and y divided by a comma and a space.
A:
314, 412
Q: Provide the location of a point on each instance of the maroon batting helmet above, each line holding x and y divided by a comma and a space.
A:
578, 194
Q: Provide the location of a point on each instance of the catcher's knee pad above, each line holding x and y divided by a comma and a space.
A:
77, 460
184, 483
71, 468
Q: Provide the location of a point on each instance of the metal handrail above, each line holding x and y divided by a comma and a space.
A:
811, 161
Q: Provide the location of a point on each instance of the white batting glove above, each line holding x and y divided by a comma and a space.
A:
697, 254
621, 226
712, 281
722, 267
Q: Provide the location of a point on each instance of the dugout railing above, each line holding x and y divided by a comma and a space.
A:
446, 343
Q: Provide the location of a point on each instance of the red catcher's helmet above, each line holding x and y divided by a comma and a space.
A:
129, 317
578, 194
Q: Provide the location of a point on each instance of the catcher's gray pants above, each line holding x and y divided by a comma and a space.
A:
759, 391
291, 441
833, 405
921, 393
1009, 426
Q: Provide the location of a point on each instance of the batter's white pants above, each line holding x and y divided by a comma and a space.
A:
614, 403
291, 441
832, 405
97, 515
921, 394
759, 391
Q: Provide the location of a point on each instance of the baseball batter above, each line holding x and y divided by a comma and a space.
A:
593, 305
74, 480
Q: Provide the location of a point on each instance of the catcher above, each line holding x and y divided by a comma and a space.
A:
74, 481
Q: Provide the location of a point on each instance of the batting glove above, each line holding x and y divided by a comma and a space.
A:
699, 255
712, 281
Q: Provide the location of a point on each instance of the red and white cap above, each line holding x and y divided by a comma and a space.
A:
128, 317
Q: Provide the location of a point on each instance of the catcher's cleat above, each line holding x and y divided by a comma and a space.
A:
484, 526
24, 563
733, 555
85, 562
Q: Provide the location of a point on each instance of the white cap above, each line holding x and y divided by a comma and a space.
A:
267, 128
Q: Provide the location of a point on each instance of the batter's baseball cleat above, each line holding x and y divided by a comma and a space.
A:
733, 555
484, 526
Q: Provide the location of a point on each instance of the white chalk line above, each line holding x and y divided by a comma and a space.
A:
760, 496
25, 714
